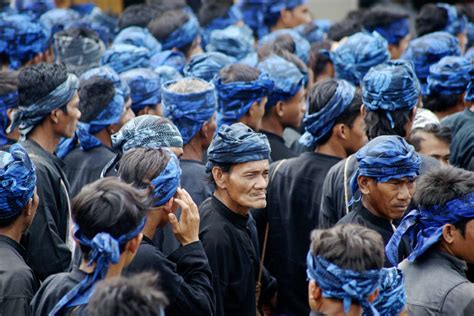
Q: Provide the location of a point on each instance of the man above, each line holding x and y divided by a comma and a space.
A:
206, 65
123, 57
8, 102
333, 130
19, 201
109, 217
344, 266
238, 163
384, 183
282, 14
145, 91
432, 140
242, 95
48, 110
185, 275
443, 225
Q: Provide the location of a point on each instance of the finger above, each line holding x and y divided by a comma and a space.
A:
184, 209
174, 222
193, 207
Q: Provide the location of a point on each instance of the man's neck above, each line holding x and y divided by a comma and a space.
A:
44, 136
114, 270
193, 150
331, 148
104, 137
335, 307
224, 197
13, 231
272, 124
150, 226
442, 114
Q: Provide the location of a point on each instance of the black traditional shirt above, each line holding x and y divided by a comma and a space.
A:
278, 147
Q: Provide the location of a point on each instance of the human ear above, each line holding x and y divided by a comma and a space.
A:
448, 233
219, 177
363, 183
372, 297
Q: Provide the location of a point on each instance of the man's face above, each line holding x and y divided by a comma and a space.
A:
294, 109
67, 123
396, 51
127, 115
258, 114
357, 136
389, 199
296, 16
463, 246
434, 147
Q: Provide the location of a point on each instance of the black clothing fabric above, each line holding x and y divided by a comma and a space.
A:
278, 147
185, 276
18, 284
333, 206
293, 205
47, 242
53, 289
84, 167
462, 138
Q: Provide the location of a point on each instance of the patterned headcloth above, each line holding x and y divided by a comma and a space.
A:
145, 87
424, 227
189, 110
235, 144
167, 182
234, 41
302, 46
104, 24
123, 57
140, 37
344, 284
57, 19
385, 158
105, 250
79, 53
354, 58
392, 297
171, 58
147, 131
207, 65
21, 39
183, 35
469, 96
18, 181
391, 87
318, 124
253, 14
232, 17
428, 50
312, 32
167, 73
456, 23
34, 8
393, 32
450, 75
29, 115
286, 76
7, 101
236, 98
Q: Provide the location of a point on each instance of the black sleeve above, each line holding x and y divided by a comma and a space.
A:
269, 286
331, 196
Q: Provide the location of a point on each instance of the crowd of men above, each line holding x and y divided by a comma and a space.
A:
236, 159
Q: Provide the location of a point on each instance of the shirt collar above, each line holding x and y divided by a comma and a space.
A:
376, 220
13, 244
236, 219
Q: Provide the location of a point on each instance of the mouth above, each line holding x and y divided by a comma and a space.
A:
401, 208
260, 196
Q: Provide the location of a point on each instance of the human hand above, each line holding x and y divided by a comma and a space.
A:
186, 230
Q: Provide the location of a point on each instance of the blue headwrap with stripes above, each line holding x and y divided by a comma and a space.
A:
171, 58
344, 284
206, 65
354, 58
393, 32
167, 73
105, 250
450, 75
312, 32
469, 96
392, 86
145, 87
189, 111
183, 35
236, 144
318, 124
232, 17
302, 46
58, 19
286, 76
253, 14
236, 98
392, 297
456, 23
123, 57
34, 8
7, 101
140, 37
234, 41
167, 182
17, 180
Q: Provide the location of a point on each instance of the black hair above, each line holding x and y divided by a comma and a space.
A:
438, 102
378, 124
431, 18
121, 296
443, 133
213, 9
346, 27
137, 15
238, 72
8, 82
167, 5
166, 23
95, 94
318, 97
318, 60
381, 16
111, 206
282, 43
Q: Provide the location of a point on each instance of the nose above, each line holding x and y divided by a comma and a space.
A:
261, 183
405, 192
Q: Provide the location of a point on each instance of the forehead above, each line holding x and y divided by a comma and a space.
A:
252, 166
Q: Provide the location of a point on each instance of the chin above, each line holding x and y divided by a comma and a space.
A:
258, 204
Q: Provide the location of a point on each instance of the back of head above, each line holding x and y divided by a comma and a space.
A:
94, 96
431, 18
238, 72
163, 25
207, 65
442, 133
137, 15
392, 24
346, 27
213, 9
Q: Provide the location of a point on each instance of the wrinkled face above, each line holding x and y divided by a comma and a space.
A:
463, 246
298, 15
294, 109
432, 146
357, 136
246, 184
389, 199
67, 123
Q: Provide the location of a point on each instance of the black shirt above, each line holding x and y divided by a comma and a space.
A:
185, 277
279, 150
18, 284
293, 205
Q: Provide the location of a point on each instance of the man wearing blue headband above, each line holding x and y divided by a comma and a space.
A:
218, 15
185, 275
18, 204
145, 91
206, 65
238, 164
139, 37
440, 231
8, 102
123, 57
235, 41
286, 14
109, 217
344, 269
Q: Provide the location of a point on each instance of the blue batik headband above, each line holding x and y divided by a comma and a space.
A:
140, 37
456, 24
392, 298
450, 75
123, 57
167, 182
183, 35
395, 31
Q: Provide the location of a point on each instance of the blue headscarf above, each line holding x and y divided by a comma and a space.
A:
21, 39
253, 14
145, 87
167, 182
109, 74
354, 58
17, 180
428, 50
232, 17
456, 23
424, 226
392, 86
234, 41
183, 35
344, 284
56, 20
140, 37
34, 8
392, 297
7, 101
302, 46
286, 76
385, 158
171, 58
469, 96
105, 250
206, 65
189, 111
167, 73
236, 98
450, 75
103, 21
236, 144
29, 115
318, 124
312, 32
393, 32
103, 32
123, 57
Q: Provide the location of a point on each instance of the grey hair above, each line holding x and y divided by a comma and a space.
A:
189, 85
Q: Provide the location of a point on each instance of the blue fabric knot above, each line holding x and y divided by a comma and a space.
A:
183, 35
253, 14
392, 297
58, 19
207, 65
393, 32
140, 37
450, 75
167, 73
302, 46
172, 58
456, 23
105, 247
167, 182
123, 57
234, 41
145, 87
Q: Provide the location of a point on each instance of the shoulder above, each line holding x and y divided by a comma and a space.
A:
460, 298
351, 218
